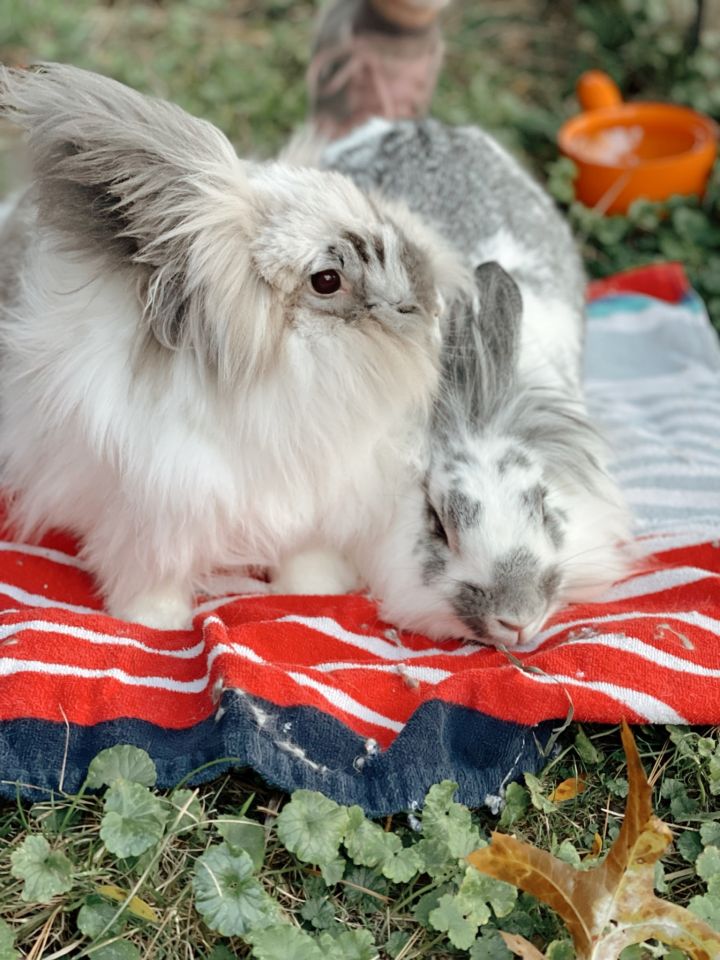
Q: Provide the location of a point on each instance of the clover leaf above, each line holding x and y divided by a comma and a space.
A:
402, 866
7, 941
96, 915
134, 819
241, 834
710, 834
564, 950
319, 912
489, 946
333, 871
187, 811
284, 942
348, 945
122, 762
462, 913
447, 827
312, 827
708, 863
367, 843
449, 917
229, 898
478, 888
707, 866
707, 907
537, 796
516, 799
115, 950
46, 873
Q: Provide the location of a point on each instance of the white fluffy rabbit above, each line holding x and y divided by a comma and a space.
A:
512, 514
204, 362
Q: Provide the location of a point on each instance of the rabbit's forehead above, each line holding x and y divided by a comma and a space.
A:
487, 468
391, 265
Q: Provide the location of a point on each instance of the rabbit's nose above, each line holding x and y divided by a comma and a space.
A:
514, 632
508, 632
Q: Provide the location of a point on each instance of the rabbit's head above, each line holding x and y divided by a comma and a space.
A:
514, 516
259, 270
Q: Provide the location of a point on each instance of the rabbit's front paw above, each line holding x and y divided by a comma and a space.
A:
315, 572
164, 608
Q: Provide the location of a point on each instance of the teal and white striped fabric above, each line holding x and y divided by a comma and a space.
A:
653, 383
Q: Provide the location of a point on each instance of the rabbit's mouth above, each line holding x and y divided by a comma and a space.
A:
509, 632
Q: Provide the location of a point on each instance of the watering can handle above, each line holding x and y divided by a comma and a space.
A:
596, 89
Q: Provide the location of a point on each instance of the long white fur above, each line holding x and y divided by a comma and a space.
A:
267, 427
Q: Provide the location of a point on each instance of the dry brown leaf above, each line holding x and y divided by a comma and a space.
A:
612, 905
596, 848
521, 947
568, 789
136, 906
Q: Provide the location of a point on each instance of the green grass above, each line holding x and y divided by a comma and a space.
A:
510, 66
396, 919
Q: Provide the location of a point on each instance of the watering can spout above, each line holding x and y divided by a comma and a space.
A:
595, 90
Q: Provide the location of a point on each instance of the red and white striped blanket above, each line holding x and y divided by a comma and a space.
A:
315, 691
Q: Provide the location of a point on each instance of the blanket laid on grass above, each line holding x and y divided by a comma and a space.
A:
316, 692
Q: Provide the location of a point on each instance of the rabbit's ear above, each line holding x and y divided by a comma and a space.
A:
482, 345
126, 177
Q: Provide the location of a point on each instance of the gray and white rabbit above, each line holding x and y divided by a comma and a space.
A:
204, 362
511, 513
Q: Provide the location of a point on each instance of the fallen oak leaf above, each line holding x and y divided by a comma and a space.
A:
521, 947
612, 905
544, 876
568, 789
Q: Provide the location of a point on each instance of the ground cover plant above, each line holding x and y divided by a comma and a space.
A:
130, 871
123, 871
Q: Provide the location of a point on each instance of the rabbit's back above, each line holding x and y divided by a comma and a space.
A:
474, 192
460, 180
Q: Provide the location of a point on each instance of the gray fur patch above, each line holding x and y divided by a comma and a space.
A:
15, 238
359, 245
417, 267
461, 456
550, 584
512, 458
434, 563
379, 250
554, 528
480, 351
532, 501
473, 605
556, 427
516, 566
463, 511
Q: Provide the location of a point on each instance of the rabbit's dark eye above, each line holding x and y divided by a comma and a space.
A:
436, 525
326, 282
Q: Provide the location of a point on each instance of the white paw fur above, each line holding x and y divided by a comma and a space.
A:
315, 573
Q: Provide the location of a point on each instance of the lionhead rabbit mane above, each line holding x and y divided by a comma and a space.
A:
207, 358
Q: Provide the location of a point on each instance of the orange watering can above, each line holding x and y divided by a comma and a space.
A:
624, 151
